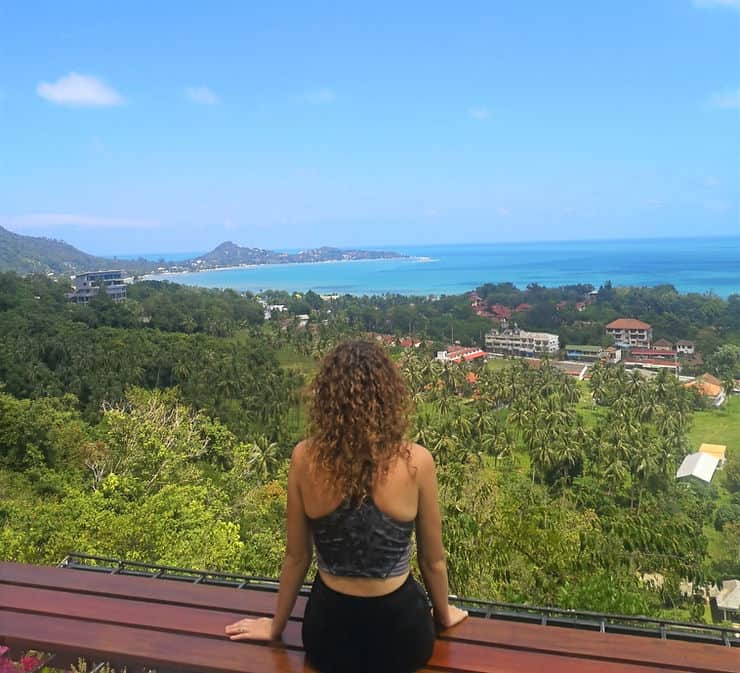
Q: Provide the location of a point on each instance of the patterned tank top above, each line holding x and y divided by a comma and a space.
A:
362, 541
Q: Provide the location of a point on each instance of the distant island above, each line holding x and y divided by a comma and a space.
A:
36, 254
230, 254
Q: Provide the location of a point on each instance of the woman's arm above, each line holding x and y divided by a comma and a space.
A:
298, 554
430, 550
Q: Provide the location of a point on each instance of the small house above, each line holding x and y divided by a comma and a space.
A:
698, 467
719, 451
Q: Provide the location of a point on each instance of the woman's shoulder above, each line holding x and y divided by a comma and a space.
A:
420, 457
299, 456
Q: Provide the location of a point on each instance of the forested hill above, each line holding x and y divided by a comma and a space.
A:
228, 254
33, 254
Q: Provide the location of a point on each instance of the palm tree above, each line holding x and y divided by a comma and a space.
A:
264, 457
728, 384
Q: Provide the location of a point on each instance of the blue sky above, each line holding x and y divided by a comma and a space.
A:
172, 126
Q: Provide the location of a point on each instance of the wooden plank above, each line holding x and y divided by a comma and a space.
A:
154, 616
156, 596
134, 646
472, 658
145, 588
208, 625
700, 657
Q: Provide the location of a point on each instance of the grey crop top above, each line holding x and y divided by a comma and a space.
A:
362, 542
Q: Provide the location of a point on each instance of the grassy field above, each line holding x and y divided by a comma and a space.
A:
498, 363
585, 406
291, 359
717, 426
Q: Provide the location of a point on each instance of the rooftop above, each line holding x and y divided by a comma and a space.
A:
652, 351
627, 323
707, 385
729, 597
719, 451
698, 465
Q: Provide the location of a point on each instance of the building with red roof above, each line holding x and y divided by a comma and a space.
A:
710, 387
457, 353
408, 342
654, 353
630, 332
500, 311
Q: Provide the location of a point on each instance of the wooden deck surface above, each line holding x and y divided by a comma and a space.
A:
177, 626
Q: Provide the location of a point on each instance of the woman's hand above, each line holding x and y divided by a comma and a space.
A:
251, 629
454, 616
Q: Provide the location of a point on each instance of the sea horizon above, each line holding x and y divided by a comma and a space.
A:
689, 264
194, 254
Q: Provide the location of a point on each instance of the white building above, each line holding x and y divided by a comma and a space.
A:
87, 285
698, 466
272, 308
460, 354
728, 600
685, 347
520, 342
630, 332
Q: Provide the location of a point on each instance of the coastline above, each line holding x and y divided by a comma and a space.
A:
689, 265
241, 267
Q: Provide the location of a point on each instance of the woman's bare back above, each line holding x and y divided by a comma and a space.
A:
397, 495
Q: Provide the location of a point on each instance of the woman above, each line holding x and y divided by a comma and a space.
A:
358, 490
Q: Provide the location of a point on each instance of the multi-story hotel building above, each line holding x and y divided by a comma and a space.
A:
630, 332
519, 342
87, 285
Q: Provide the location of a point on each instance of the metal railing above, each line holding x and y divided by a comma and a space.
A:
546, 616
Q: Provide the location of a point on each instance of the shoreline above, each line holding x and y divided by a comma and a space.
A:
430, 270
241, 267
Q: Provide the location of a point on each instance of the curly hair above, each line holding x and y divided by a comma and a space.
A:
359, 417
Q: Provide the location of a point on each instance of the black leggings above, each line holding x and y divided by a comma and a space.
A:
393, 633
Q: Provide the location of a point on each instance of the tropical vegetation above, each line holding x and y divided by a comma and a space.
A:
160, 430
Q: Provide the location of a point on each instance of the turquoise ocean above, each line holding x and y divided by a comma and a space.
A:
690, 265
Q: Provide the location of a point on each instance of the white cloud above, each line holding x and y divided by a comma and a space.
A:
727, 100
710, 4
79, 91
479, 112
47, 220
202, 95
320, 96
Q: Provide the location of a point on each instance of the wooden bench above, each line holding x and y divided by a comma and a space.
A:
141, 622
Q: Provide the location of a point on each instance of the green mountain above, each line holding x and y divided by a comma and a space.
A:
32, 254
231, 254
